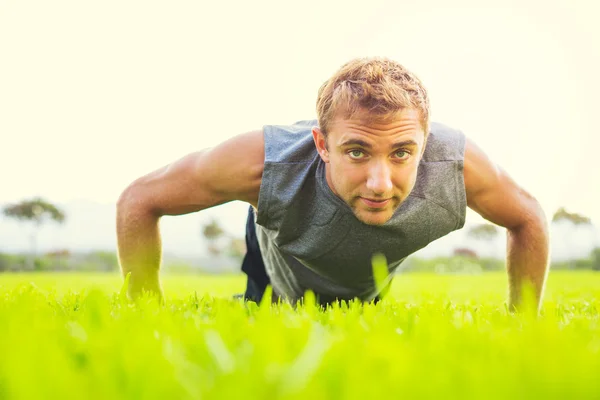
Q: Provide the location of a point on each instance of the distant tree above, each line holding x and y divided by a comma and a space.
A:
236, 248
101, 260
483, 232
36, 211
574, 218
212, 232
465, 252
596, 259
59, 258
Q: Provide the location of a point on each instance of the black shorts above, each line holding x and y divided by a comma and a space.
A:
253, 264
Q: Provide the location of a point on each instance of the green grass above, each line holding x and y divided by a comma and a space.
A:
71, 336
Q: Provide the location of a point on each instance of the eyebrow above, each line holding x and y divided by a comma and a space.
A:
362, 143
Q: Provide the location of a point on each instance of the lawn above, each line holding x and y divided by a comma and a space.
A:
73, 336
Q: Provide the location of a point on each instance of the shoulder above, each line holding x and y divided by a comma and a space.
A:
289, 174
289, 143
444, 143
480, 172
234, 168
440, 174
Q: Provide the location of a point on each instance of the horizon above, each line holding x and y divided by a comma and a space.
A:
90, 226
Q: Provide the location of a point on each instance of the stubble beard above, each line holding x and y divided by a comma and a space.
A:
360, 212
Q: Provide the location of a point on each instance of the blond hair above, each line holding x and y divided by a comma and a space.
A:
374, 89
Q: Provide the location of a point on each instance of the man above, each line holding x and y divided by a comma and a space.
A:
371, 175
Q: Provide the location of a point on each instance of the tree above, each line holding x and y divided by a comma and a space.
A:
221, 243
596, 259
236, 248
571, 238
212, 232
36, 211
465, 252
483, 232
574, 218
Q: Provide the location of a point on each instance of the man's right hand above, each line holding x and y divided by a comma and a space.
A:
230, 171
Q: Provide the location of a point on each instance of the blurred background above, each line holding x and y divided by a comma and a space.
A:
96, 94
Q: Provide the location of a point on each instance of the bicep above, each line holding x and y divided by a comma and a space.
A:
493, 194
203, 179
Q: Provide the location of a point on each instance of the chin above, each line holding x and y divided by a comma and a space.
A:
373, 218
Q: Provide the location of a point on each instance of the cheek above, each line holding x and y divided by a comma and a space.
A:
405, 179
346, 178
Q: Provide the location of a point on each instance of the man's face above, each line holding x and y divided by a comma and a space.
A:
372, 167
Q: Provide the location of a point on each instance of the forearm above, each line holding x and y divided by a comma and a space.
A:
139, 248
527, 261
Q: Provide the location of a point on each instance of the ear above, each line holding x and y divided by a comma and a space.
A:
321, 144
424, 145
423, 148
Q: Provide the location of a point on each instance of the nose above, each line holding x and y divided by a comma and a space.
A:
379, 180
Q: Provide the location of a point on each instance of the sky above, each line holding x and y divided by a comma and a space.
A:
96, 94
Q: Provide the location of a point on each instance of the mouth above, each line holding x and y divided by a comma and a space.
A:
371, 203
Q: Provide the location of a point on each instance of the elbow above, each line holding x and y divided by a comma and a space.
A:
133, 200
126, 198
538, 215
534, 218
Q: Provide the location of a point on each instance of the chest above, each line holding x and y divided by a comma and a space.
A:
333, 243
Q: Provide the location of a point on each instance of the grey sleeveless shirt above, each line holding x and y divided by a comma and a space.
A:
310, 239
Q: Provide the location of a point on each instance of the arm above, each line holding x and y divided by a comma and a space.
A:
497, 198
230, 171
